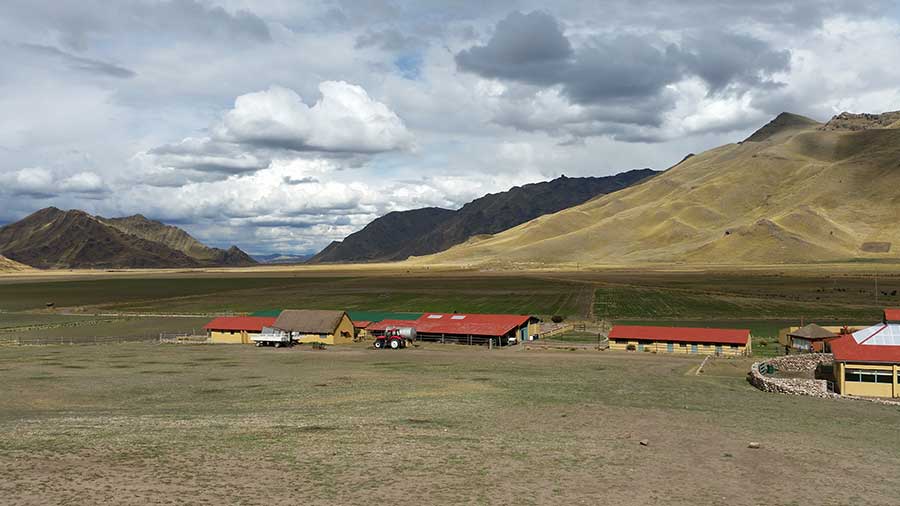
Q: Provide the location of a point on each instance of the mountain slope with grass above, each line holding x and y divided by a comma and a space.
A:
399, 235
796, 191
7, 265
56, 239
178, 239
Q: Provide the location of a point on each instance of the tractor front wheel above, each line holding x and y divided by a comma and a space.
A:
379, 344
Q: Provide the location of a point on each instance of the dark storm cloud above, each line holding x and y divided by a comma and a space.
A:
532, 49
79, 63
525, 47
723, 58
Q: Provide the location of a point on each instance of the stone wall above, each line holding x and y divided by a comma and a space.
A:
798, 386
793, 386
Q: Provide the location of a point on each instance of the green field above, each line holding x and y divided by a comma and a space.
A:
523, 295
763, 302
206, 424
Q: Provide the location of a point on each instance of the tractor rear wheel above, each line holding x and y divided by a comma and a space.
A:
395, 343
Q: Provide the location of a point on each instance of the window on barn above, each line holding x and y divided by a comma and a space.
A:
683, 345
344, 333
883, 377
734, 346
866, 376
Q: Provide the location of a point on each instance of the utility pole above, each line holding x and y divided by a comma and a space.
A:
876, 288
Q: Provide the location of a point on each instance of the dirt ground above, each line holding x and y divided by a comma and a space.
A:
207, 424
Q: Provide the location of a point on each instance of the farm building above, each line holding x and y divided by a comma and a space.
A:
363, 319
315, 326
467, 328
236, 329
867, 362
723, 342
807, 339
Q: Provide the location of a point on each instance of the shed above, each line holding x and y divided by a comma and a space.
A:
236, 329
316, 326
805, 338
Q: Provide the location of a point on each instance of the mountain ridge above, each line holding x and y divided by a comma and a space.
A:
51, 238
799, 194
399, 235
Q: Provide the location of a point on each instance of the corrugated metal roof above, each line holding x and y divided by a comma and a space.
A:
892, 315
847, 349
361, 324
681, 334
459, 324
240, 323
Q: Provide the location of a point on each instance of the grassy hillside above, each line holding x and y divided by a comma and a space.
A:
7, 265
795, 192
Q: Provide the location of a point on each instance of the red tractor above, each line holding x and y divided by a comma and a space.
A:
395, 338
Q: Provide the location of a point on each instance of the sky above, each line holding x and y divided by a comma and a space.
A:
280, 126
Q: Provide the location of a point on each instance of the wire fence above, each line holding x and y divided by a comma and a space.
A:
45, 341
162, 338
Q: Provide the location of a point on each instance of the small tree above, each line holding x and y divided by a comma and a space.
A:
557, 318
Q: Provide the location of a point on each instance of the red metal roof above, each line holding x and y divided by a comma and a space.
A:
892, 315
361, 324
240, 323
469, 324
459, 324
681, 334
846, 349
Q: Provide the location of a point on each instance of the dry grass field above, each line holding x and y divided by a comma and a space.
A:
206, 424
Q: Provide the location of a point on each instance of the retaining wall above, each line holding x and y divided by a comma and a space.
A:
793, 386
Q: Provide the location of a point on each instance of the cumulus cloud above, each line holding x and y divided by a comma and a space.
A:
614, 83
38, 182
276, 123
345, 119
130, 107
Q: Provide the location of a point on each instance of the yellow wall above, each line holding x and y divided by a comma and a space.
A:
343, 334
662, 347
866, 389
227, 337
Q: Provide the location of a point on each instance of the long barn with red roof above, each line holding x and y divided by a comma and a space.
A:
469, 328
688, 340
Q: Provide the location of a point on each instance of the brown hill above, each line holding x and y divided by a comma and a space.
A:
399, 235
796, 194
7, 265
51, 238
178, 239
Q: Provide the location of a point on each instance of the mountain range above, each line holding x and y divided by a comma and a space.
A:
796, 191
53, 239
401, 234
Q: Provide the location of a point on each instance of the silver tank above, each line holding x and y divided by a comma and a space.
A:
408, 333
